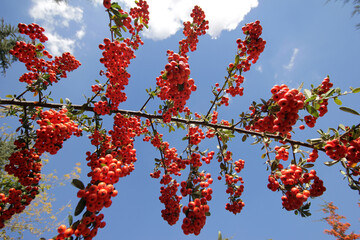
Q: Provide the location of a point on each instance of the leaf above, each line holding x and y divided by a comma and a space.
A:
115, 5
329, 93
312, 111
309, 165
349, 110
80, 206
310, 99
263, 156
70, 218
9, 96
330, 163
78, 184
61, 101
355, 90
307, 93
219, 236
337, 101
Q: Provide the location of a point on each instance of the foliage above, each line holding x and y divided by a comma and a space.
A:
9, 35
338, 228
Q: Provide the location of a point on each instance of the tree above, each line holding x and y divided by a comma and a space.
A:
8, 37
270, 122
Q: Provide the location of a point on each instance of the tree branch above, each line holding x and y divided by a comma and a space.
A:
158, 117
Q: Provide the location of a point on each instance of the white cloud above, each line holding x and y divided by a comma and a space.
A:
53, 16
58, 44
259, 68
290, 65
80, 34
166, 17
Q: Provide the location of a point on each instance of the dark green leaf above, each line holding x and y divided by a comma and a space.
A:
77, 183
349, 110
80, 206
70, 218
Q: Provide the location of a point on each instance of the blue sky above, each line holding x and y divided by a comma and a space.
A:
306, 40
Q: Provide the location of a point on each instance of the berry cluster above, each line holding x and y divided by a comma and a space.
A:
33, 30
349, 149
193, 30
251, 48
196, 210
171, 201
283, 114
313, 156
195, 135
46, 72
297, 186
175, 84
281, 153
321, 89
116, 58
236, 204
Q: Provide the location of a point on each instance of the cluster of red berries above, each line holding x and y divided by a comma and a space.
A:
313, 156
116, 58
55, 128
170, 161
208, 158
281, 119
193, 30
88, 227
175, 84
293, 180
281, 153
141, 12
236, 204
321, 89
251, 47
197, 209
195, 135
171, 201
350, 150
15, 202
29, 54
33, 30
236, 90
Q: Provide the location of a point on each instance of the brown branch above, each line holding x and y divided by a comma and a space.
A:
158, 117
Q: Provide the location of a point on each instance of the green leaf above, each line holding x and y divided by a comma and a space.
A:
61, 101
312, 111
115, 5
349, 110
78, 184
355, 90
70, 218
307, 93
329, 93
9, 96
309, 165
219, 236
80, 206
313, 97
337, 101
330, 163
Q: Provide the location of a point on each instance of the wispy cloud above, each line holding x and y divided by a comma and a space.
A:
166, 17
52, 16
290, 65
259, 68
